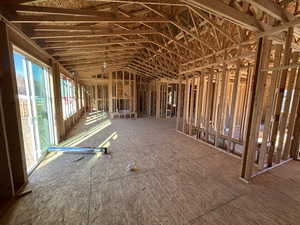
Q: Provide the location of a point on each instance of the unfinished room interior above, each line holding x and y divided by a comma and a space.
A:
149, 112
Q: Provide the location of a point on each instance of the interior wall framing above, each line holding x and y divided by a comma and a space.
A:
247, 108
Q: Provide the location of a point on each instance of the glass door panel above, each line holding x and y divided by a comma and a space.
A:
25, 111
41, 105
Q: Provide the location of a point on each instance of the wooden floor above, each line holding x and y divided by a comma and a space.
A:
178, 182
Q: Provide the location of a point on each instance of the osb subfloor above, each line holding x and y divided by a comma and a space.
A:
178, 181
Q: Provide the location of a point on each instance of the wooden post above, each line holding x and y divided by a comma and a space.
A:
186, 104
158, 85
190, 118
200, 103
110, 100
7, 189
123, 91
197, 101
216, 100
208, 105
11, 110
96, 97
282, 83
296, 136
269, 107
259, 79
60, 125
222, 98
234, 104
130, 91
134, 93
76, 95
166, 99
249, 90
149, 100
283, 122
292, 118
179, 94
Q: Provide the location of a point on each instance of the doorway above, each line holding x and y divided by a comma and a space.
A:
36, 108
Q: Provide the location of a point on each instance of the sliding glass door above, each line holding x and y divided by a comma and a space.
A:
25, 111
35, 97
41, 116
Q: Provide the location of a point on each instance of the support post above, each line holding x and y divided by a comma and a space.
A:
134, 93
96, 97
179, 94
222, 98
280, 97
269, 107
208, 105
259, 79
11, 110
60, 125
285, 115
149, 100
234, 104
158, 85
7, 190
292, 126
191, 113
110, 100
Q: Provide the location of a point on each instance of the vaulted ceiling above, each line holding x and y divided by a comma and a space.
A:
156, 38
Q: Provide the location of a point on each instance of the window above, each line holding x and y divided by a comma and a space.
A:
68, 96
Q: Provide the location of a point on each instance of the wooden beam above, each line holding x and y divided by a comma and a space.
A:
58, 11
150, 67
150, 2
270, 8
68, 59
97, 61
30, 44
235, 46
218, 63
213, 24
20, 19
15, 2
278, 29
91, 34
89, 51
75, 45
110, 63
179, 26
231, 14
60, 27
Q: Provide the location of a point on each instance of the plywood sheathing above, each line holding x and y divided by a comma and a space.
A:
179, 181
